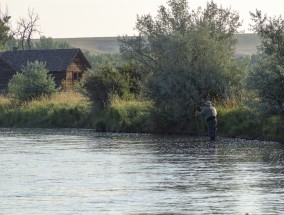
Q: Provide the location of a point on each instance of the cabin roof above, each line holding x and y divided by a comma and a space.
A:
55, 59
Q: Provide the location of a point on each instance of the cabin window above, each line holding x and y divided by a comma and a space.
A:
77, 76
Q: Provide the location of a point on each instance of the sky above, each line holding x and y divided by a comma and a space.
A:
111, 18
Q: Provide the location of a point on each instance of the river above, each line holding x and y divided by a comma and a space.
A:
76, 171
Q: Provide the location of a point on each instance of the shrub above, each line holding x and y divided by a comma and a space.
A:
32, 83
110, 81
125, 116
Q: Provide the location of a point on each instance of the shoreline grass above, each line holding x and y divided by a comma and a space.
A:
72, 110
63, 110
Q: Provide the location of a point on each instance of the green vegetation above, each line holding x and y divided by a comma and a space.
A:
34, 82
61, 110
125, 116
189, 57
72, 110
267, 74
159, 79
241, 121
4, 29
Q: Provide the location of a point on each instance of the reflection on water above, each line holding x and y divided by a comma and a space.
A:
83, 172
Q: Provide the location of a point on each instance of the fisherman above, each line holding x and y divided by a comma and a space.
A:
209, 113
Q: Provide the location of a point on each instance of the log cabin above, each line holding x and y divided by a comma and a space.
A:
65, 65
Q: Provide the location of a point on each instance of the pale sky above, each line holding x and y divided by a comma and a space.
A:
104, 18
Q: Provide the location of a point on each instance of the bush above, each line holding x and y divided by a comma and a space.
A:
109, 81
125, 116
32, 83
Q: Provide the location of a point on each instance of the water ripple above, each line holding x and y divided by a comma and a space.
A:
76, 171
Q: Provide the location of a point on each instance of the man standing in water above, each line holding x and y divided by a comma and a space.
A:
209, 113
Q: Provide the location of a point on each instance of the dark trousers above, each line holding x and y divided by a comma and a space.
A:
212, 127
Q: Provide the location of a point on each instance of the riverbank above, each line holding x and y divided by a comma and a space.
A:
62, 110
72, 110
233, 121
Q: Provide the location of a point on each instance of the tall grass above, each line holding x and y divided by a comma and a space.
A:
241, 121
72, 110
125, 116
66, 109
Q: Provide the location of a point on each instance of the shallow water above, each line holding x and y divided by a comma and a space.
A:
74, 171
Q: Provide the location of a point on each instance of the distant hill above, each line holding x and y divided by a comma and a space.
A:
246, 45
95, 45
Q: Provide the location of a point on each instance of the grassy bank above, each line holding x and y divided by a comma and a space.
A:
61, 110
240, 121
74, 111
125, 116
233, 121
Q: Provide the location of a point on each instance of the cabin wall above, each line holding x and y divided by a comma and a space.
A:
74, 72
58, 77
6, 73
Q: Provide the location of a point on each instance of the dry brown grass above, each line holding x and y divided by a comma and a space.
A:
4, 100
62, 98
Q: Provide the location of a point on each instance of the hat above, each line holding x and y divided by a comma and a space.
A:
208, 103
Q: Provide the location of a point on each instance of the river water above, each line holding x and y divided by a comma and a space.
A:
75, 171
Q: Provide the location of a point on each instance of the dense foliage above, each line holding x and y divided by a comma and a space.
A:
189, 56
4, 29
108, 81
32, 83
61, 110
267, 75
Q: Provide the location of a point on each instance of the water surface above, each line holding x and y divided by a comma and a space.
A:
75, 171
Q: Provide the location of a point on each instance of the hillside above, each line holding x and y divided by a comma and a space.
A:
95, 45
246, 45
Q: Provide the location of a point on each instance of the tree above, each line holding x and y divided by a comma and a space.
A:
267, 75
26, 28
32, 83
189, 57
4, 28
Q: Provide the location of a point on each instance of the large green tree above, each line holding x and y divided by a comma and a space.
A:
188, 56
267, 75
4, 29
